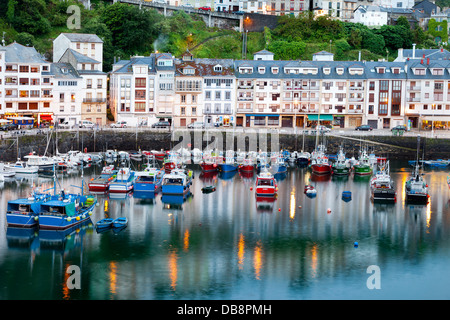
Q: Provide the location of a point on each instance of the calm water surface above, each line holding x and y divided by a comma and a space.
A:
228, 245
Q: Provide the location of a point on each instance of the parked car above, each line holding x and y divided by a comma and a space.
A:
8, 126
65, 125
119, 124
161, 124
399, 128
322, 128
187, 5
196, 125
205, 8
364, 127
86, 124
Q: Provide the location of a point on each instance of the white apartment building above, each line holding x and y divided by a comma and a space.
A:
85, 53
89, 45
371, 16
25, 89
67, 93
132, 91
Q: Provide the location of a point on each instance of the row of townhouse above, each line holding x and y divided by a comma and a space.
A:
268, 93
71, 88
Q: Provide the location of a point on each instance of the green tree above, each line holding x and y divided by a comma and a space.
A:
284, 50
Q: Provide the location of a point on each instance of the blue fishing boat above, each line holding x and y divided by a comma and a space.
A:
149, 180
229, 165
120, 222
65, 210
123, 182
278, 164
104, 223
175, 183
24, 212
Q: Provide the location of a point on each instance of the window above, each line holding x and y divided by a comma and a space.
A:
139, 95
139, 107
218, 68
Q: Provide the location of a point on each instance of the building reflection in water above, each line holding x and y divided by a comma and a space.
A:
173, 269
112, 278
257, 260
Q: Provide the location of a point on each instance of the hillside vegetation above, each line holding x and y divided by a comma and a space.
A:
126, 31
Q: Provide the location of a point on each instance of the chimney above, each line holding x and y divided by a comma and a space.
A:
400, 54
421, 61
442, 49
428, 60
414, 50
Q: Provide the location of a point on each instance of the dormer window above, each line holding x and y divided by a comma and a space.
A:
261, 70
420, 71
275, 70
395, 70
246, 70
326, 70
218, 68
188, 70
340, 71
437, 72
380, 69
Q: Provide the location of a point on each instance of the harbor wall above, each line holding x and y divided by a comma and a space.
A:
393, 147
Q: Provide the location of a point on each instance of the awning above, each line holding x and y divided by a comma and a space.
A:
435, 118
323, 117
48, 117
263, 115
22, 120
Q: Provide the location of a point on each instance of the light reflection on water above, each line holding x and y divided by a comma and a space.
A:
230, 245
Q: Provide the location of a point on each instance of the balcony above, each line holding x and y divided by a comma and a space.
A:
245, 98
411, 99
355, 111
414, 88
94, 100
245, 86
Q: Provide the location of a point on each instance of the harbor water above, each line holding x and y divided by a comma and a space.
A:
228, 244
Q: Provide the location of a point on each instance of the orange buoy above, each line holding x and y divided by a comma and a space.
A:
279, 209
328, 210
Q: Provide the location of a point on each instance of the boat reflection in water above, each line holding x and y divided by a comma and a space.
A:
22, 238
265, 204
175, 201
227, 175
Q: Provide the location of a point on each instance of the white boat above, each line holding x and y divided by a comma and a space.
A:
381, 185
44, 163
22, 167
6, 172
416, 188
111, 154
123, 182
123, 155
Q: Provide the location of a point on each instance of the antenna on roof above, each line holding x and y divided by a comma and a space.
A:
3, 38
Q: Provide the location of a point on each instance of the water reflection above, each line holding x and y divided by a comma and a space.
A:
230, 244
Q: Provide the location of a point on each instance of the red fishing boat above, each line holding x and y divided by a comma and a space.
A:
319, 161
101, 183
266, 185
247, 166
209, 166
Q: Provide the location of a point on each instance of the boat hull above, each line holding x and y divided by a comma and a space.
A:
51, 222
384, 194
98, 187
340, 170
227, 167
21, 220
321, 168
265, 191
209, 167
147, 186
246, 168
118, 187
174, 190
363, 170
416, 198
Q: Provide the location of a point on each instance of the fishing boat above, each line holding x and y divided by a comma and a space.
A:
208, 189
172, 161
341, 166
101, 183
159, 155
439, 163
363, 167
22, 167
278, 164
120, 222
416, 188
44, 163
247, 165
209, 164
149, 180
319, 161
104, 223
6, 172
228, 165
266, 184
24, 212
65, 211
175, 183
382, 186
123, 182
